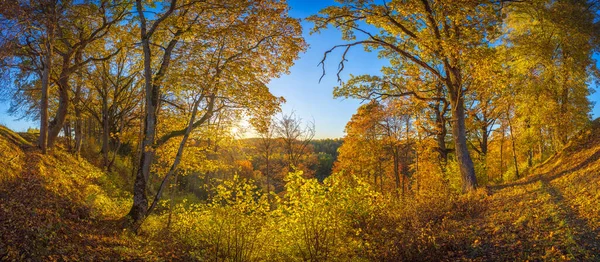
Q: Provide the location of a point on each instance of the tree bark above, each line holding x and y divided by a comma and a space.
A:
43, 139
512, 138
441, 131
67, 132
77, 109
484, 138
78, 131
502, 154
268, 171
105, 126
463, 157
63, 105
396, 169
151, 87
140, 200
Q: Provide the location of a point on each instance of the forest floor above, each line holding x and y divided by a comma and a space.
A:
552, 214
60, 208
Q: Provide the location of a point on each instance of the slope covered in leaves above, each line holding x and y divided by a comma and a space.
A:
552, 214
56, 207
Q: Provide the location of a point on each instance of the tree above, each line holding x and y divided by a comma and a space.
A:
29, 47
68, 28
74, 34
296, 138
115, 83
428, 41
377, 144
225, 54
265, 126
152, 87
550, 47
327, 154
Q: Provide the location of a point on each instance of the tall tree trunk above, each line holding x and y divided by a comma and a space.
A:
63, 105
151, 88
441, 131
89, 125
118, 146
105, 126
375, 177
78, 131
396, 169
541, 145
563, 130
267, 159
484, 147
67, 132
140, 199
403, 184
77, 110
484, 139
43, 139
406, 154
514, 149
502, 154
467, 170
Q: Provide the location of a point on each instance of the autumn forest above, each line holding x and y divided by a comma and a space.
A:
473, 142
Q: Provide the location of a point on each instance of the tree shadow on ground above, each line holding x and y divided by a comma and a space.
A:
586, 238
548, 176
39, 224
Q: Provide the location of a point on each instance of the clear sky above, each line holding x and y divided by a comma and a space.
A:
309, 99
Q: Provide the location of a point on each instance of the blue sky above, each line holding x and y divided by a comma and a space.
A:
309, 99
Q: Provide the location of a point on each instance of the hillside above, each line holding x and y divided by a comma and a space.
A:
57, 207
552, 214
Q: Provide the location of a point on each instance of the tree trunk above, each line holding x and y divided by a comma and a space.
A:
467, 170
375, 177
44, 125
502, 154
43, 139
152, 89
484, 139
63, 105
267, 159
78, 132
441, 132
105, 127
403, 184
406, 156
541, 145
396, 169
512, 138
563, 130
67, 132
140, 199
